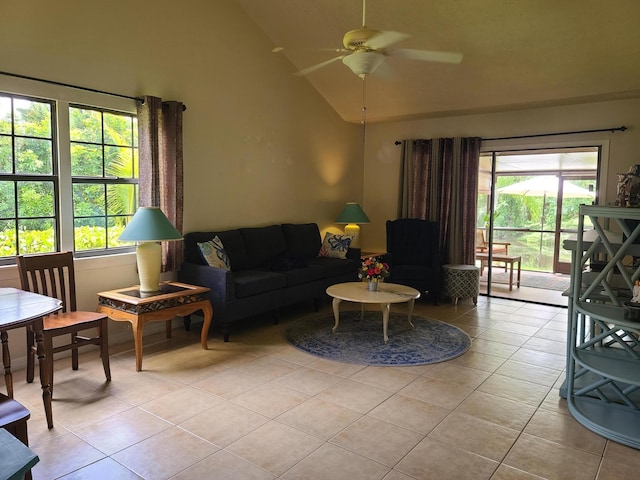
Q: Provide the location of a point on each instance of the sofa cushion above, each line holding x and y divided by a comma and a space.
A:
335, 245
234, 246
214, 253
310, 273
254, 282
262, 244
336, 266
303, 240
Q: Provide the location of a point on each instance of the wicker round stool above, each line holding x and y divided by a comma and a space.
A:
461, 281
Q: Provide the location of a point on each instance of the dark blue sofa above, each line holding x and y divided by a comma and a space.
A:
271, 267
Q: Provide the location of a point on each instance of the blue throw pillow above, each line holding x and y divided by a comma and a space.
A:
214, 254
335, 246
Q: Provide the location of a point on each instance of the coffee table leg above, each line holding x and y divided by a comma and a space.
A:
385, 320
336, 313
410, 311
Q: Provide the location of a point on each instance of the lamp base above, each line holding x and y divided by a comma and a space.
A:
149, 260
353, 229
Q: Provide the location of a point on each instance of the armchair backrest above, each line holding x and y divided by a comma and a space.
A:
412, 241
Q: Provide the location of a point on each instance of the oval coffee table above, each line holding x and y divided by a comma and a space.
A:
386, 294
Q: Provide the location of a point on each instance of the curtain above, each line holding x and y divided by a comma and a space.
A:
414, 179
161, 170
442, 186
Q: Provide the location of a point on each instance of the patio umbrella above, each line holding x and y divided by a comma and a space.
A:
543, 186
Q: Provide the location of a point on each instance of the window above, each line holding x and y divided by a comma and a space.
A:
68, 176
104, 171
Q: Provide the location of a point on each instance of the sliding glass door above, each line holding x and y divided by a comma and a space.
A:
529, 200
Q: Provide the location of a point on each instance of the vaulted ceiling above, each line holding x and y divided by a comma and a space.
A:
517, 53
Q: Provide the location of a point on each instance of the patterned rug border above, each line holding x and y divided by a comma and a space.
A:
361, 343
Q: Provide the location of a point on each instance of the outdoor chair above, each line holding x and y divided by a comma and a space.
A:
53, 275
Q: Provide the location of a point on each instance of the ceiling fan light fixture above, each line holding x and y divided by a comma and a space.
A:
363, 63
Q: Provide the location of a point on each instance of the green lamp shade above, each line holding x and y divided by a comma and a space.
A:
149, 224
352, 213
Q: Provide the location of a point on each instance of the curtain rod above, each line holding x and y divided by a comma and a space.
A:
612, 130
86, 89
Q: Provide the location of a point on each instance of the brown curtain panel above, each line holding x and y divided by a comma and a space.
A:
161, 167
414, 179
442, 186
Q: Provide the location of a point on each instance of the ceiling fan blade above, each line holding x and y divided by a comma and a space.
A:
427, 55
313, 68
385, 39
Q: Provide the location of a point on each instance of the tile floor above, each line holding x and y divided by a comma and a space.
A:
256, 408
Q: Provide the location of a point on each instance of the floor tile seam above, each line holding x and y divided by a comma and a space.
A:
332, 443
104, 455
559, 370
324, 444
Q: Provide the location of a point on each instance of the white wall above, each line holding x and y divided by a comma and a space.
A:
382, 157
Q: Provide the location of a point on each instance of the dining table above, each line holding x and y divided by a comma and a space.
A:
20, 308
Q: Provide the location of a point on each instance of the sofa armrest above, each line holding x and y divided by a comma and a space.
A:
218, 280
354, 253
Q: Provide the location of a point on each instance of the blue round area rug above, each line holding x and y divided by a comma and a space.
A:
361, 341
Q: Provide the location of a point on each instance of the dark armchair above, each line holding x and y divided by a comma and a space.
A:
413, 255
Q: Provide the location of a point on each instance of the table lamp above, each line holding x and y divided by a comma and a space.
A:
148, 227
352, 214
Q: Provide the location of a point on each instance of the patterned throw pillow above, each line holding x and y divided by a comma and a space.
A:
214, 254
335, 245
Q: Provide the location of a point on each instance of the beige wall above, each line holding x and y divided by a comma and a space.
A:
382, 157
260, 145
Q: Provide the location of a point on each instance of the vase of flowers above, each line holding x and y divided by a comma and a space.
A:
373, 271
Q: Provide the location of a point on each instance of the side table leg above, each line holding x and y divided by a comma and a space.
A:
336, 313
207, 311
38, 328
385, 320
138, 328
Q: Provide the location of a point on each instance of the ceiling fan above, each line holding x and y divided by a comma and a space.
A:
365, 49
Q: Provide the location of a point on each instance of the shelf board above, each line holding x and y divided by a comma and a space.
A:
616, 422
613, 363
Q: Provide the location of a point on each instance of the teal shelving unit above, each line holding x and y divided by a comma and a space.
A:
603, 346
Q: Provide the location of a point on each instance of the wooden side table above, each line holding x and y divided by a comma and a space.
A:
173, 300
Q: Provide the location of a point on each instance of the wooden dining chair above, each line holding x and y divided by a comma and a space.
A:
53, 275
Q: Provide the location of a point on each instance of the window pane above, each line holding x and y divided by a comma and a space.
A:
8, 238
33, 156
90, 234
88, 201
115, 227
86, 160
7, 200
6, 154
35, 199
118, 162
121, 199
117, 129
86, 125
32, 118
36, 236
5, 115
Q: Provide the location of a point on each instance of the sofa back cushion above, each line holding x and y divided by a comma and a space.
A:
262, 244
231, 241
303, 240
